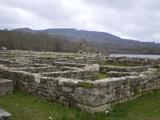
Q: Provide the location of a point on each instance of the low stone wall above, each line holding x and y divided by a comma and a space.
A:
131, 61
101, 94
69, 64
36, 69
4, 115
121, 74
92, 96
105, 69
6, 87
76, 74
88, 72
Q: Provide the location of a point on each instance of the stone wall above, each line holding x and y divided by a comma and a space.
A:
6, 87
37, 69
121, 74
124, 69
69, 64
77, 74
75, 71
92, 96
131, 61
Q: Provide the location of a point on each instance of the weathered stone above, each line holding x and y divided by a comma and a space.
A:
66, 89
6, 87
90, 109
4, 115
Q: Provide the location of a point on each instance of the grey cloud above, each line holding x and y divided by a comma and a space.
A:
41, 8
137, 19
117, 4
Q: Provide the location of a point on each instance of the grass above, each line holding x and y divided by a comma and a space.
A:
102, 75
25, 107
85, 84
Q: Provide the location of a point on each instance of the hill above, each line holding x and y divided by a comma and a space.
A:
102, 41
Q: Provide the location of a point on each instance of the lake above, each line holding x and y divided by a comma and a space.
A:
136, 56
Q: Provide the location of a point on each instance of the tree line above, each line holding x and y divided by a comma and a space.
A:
39, 42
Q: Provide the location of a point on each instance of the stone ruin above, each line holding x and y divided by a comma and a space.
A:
72, 78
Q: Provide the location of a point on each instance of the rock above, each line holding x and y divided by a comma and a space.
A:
4, 115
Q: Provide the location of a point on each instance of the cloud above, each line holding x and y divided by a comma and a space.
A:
135, 19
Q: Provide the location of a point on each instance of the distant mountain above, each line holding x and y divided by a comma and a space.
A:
24, 30
102, 41
75, 34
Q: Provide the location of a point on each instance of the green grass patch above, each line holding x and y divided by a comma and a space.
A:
25, 107
85, 84
102, 75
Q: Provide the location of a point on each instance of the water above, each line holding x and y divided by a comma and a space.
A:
136, 56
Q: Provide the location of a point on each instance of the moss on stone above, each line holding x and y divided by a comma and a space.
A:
102, 75
85, 84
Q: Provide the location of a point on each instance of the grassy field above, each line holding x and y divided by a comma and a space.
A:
25, 107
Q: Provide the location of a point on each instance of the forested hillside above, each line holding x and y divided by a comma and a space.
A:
72, 40
39, 42
103, 41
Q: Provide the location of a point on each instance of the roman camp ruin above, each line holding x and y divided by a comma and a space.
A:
92, 82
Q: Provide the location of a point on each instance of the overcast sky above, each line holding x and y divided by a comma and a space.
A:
135, 19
